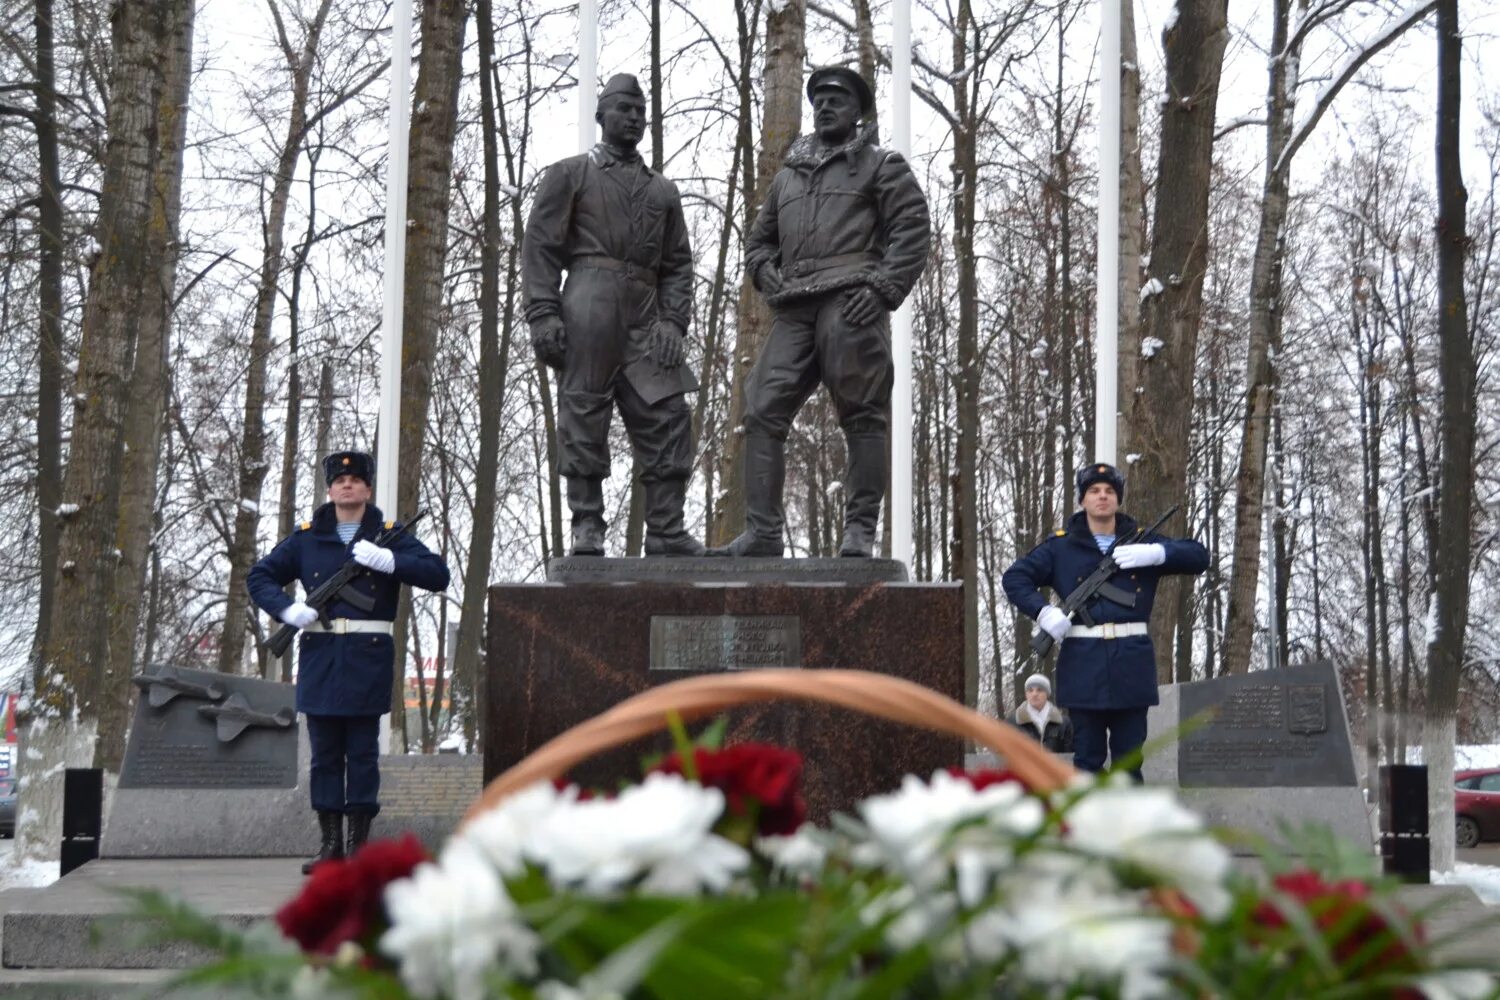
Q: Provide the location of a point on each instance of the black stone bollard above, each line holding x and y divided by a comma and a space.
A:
83, 816
1405, 846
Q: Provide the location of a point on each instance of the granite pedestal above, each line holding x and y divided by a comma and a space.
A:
560, 653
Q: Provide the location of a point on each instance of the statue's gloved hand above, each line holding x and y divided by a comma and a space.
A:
668, 345
862, 306
549, 340
769, 277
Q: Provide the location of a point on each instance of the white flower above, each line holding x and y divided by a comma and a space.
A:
452, 925
803, 854
504, 833
311, 983
659, 831
1149, 828
1457, 984
913, 829
1064, 931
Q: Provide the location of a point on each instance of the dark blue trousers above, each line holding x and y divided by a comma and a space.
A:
345, 772
1117, 731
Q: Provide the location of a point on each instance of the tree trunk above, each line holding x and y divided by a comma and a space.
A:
1160, 412
146, 406
252, 473
62, 723
494, 359
966, 176
1455, 505
434, 122
49, 339
785, 48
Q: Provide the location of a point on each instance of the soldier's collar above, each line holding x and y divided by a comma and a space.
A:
605, 155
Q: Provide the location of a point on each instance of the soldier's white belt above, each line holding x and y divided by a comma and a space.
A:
1109, 630
343, 626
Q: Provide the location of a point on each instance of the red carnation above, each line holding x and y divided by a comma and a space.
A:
344, 900
985, 777
1342, 909
752, 775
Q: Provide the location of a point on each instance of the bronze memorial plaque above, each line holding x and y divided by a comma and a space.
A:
712, 643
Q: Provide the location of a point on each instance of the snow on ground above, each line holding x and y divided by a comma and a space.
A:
25, 874
1483, 879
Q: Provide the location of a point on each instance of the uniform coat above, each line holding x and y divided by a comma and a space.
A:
343, 674
1100, 673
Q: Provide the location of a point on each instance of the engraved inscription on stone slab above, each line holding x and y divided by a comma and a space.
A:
176, 746
1267, 729
725, 642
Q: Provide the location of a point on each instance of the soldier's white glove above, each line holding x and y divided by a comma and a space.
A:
1054, 622
299, 615
381, 560
1136, 556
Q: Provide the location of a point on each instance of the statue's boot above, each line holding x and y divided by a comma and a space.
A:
765, 475
331, 829
586, 501
665, 534
864, 487
359, 831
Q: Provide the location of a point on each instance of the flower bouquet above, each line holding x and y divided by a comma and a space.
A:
704, 881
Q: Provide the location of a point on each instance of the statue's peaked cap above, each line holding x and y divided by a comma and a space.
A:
622, 83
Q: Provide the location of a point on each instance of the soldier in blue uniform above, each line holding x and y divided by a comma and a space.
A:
344, 672
1106, 673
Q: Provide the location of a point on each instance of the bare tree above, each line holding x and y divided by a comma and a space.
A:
1456, 503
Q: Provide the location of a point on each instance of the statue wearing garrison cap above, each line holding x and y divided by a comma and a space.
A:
838, 244
615, 329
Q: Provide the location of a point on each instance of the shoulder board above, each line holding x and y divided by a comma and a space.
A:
1060, 532
304, 526
389, 525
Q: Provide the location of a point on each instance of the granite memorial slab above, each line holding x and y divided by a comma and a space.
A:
560, 653
215, 766
1260, 751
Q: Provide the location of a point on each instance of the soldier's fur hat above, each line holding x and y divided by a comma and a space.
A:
1100, 472
349, 463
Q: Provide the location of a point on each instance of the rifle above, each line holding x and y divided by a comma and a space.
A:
1097, 585
338, 586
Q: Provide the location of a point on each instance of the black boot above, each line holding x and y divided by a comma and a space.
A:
665, 535
765, 474
864, 487
586, 501
331, 826
359, 831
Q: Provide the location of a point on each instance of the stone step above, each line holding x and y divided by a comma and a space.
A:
56, 927
95, 984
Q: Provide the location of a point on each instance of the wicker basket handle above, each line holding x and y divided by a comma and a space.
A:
695, 697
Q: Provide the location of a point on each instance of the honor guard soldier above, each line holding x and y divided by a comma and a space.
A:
616, 332
837, 246
1106, 673
344, 669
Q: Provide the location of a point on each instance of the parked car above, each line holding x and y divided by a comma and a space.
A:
1476, 803
7, 807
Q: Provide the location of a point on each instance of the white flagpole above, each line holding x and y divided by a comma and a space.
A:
1107, 294
588, 71
387, 460
901, 344
395, 261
